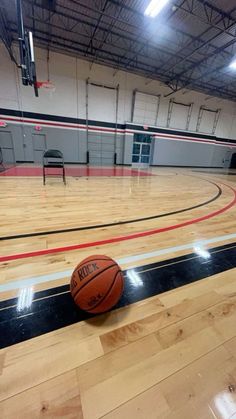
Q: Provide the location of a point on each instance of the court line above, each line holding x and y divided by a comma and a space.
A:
29, 282
122, 238
149, 268
136, 220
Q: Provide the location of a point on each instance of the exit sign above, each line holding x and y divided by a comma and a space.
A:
38, 128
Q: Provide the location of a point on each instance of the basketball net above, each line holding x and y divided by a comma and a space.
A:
47, 86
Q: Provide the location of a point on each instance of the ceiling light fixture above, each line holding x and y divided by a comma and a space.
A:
233, 65
155, 7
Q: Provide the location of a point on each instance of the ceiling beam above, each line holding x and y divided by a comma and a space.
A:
220, 17
196, 66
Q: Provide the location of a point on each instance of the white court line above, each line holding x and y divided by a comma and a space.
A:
29, 282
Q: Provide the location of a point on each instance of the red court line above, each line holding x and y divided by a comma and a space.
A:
122, 238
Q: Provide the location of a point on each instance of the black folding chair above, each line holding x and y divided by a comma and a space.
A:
56, 163
1, 160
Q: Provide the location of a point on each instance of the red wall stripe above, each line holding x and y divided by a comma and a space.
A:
112, 130
58, 125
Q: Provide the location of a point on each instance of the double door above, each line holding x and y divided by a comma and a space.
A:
141, 149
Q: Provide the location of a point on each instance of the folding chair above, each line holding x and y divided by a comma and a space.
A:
56, 163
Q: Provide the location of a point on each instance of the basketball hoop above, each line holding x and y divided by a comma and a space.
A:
46, 85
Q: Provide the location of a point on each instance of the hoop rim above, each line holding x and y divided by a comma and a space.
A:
45, 84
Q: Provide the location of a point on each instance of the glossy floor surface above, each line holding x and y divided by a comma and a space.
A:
168, 349
73, 170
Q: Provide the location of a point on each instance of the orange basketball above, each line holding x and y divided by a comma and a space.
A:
97, 284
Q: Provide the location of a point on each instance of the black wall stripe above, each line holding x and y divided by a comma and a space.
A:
57, 118
171, 132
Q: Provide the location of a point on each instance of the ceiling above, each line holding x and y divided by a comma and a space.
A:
188, 46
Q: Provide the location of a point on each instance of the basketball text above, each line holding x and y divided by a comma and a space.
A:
87, 270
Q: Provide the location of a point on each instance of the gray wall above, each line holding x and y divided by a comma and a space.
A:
184, 153
120, 143
128, 148
7, 147
27, 146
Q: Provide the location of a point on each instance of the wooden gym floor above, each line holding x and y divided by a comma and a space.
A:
168, 350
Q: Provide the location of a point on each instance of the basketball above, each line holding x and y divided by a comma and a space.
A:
97, 284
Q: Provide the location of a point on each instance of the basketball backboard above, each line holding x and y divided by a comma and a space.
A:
26, 46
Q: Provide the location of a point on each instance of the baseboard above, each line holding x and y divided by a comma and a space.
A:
24, 161
190, 167
38, 163
72, 162
123, 164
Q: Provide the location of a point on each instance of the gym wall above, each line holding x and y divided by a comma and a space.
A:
61, 116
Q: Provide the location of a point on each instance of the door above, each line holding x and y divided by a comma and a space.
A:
227, 159
101, 149
39, 145
95, 149
141, 149
233, 161
6, 145
108, 149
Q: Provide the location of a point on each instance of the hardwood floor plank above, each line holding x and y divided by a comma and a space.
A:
134, 331
220, 316
22, 371
58, 397
195, 391
145, 374
112, 364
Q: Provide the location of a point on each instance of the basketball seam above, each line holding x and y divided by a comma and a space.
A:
109, 290
90, 261
108, 267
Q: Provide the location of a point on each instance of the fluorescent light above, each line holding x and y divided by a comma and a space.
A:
155, 7
233, 65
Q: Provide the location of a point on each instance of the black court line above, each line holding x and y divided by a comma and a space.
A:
54, 308
136, 220
215, 172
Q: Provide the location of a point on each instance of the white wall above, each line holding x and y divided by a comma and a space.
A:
69, 75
